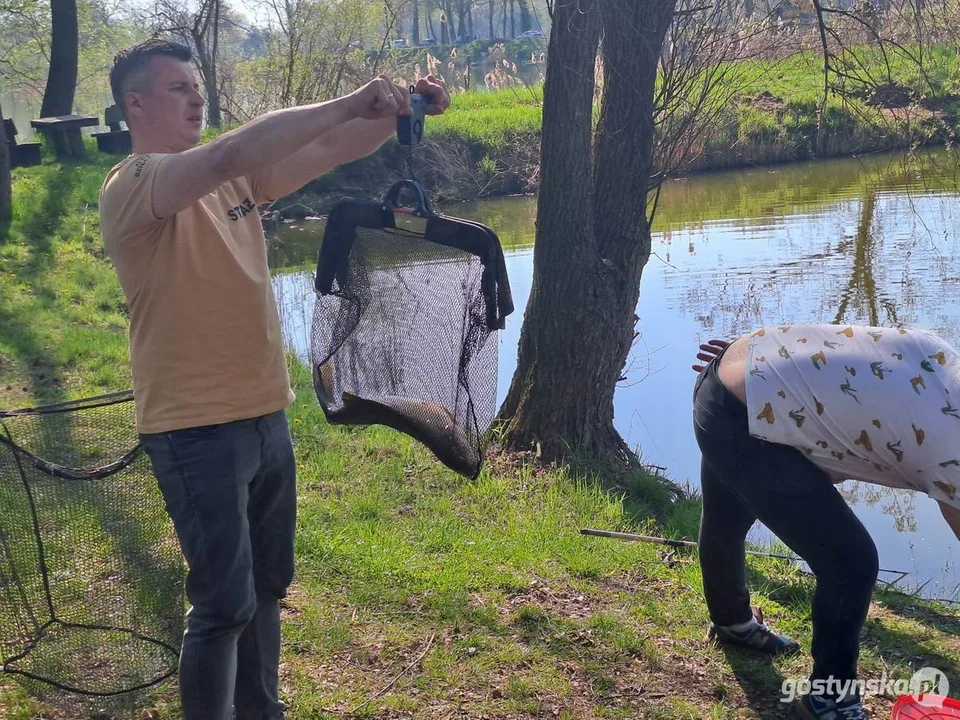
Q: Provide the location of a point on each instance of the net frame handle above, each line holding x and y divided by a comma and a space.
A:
422, 206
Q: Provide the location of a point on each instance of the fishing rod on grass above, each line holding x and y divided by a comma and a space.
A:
690, 544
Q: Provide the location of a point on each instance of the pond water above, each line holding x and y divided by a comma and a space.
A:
866, 241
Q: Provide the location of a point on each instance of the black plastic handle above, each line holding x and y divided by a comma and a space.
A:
422, 207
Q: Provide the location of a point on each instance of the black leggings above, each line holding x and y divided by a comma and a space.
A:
744, 479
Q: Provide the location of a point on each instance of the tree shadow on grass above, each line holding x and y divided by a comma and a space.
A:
44, 223
35, 353
934, 614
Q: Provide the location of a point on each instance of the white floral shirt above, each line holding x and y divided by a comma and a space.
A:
880, 405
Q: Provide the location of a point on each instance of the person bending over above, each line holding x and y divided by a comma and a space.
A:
781, 415
180, 224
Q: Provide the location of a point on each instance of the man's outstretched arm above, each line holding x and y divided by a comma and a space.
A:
345, 143
182, 178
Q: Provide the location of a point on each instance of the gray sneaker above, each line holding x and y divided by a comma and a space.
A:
757, 637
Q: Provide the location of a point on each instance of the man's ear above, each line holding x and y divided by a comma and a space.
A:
133, 103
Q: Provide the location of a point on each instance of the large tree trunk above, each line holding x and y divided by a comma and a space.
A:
593, 238
64, 47
493, 32
5, 182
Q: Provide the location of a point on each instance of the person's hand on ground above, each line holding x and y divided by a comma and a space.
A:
708, 352
380, 98
436, 88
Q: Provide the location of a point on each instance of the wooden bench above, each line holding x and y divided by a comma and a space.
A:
64, 133
115, 141
23, 154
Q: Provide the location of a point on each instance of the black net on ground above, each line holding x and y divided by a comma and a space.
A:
405, 322
91, 574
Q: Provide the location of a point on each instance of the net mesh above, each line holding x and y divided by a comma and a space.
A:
404, 329
91, 574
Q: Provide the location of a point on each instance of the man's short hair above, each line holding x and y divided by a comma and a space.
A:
129, 72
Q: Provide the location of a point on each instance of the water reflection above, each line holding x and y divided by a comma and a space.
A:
859, 242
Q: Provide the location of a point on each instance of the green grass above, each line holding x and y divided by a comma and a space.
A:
471, 598
490, 118
62, 312
743, 130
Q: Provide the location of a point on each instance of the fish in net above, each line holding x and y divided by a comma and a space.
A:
405, 324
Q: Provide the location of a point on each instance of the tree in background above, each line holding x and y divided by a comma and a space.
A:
444, 26
64, 52
313, 51
200, 29
415, 23
25, 34
526, 19
5, 181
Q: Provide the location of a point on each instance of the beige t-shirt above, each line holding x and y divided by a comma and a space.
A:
876, 404
206, 346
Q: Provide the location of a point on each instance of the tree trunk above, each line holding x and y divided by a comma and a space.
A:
593, 238
293, 47
64, 48
433, 32
415, 30
208, 74
461, 19
5, 182
526, 21
213, 86
513, 19
448, 11
493, 32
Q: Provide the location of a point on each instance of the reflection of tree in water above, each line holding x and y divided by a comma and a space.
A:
862, 287
898, 504
735, 300
876, 260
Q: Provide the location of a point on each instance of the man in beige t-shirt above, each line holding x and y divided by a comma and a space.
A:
180, 223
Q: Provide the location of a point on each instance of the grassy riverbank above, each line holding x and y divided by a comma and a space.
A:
488, 143
420, 594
